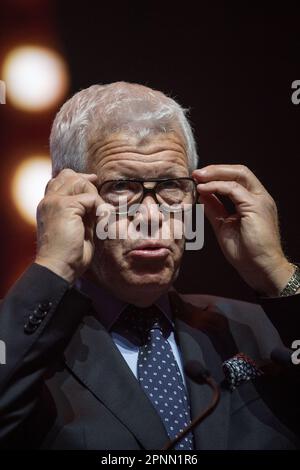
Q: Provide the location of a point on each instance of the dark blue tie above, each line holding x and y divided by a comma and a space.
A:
158, 371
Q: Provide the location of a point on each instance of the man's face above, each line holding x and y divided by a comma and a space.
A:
119, 265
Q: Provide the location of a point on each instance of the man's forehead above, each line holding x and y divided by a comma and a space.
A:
149, 143
126, 150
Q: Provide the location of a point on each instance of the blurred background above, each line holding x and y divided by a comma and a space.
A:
232, 63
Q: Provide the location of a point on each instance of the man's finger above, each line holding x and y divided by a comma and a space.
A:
239, 173
214, 210
75, 184
237, 193
68, 173
86, 203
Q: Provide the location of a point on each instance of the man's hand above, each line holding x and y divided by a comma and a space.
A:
250, 238
65, 219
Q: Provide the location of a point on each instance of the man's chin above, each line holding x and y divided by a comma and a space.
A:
150, 280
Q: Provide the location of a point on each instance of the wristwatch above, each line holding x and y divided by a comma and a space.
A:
293, 285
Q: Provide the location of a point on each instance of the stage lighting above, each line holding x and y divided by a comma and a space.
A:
36, 78
29, 184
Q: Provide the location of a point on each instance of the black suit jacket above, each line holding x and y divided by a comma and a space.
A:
66, 386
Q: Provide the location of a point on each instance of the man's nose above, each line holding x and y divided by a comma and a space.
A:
150, 212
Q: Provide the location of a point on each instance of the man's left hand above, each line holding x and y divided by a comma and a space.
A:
249, 238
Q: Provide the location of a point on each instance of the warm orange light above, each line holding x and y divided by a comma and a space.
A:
36, 78
29, 184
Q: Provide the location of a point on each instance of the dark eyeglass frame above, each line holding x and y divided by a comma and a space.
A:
151, 191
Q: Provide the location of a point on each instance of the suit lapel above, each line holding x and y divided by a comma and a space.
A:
195, 344
112, 382
95, 360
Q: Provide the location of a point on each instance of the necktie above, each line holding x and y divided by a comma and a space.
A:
158, 371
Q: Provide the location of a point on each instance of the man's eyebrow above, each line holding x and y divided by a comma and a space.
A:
164, 175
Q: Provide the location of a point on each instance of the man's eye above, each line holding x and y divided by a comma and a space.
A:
124, 186
120, 186
171, 185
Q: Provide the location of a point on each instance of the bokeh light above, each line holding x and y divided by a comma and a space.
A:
29, 184
36, 77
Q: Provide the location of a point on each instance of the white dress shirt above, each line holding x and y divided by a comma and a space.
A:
109, 308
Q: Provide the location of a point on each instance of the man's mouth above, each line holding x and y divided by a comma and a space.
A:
150, 250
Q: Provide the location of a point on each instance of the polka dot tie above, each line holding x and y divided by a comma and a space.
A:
158, 371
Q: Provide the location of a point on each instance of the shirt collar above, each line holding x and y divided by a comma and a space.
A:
109, 307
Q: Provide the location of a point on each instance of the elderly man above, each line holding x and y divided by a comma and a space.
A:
97, 338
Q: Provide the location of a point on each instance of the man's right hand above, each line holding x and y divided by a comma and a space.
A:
66, 217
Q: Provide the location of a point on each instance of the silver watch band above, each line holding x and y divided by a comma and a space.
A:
293, 285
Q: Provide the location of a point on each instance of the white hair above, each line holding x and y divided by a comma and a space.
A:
104, 109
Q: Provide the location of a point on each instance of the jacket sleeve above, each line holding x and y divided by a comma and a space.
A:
281, 391
38, 317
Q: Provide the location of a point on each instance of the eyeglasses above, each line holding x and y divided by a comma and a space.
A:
171, 194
